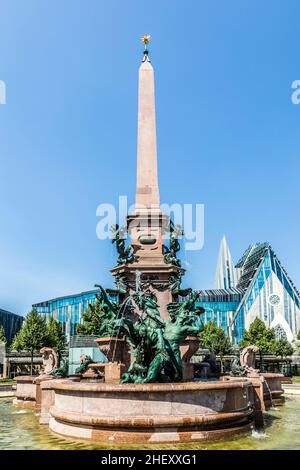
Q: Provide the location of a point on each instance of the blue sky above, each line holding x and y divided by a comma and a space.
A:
228, 134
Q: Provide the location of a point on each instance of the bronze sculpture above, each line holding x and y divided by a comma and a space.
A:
126, 254
61, 371
155, 341
236, 369
108, 313
85, 361
170, 254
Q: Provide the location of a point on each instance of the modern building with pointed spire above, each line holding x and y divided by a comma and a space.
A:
227, 275
258, 286
268, 294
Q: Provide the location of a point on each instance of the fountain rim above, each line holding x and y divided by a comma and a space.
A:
149, 421
71, 385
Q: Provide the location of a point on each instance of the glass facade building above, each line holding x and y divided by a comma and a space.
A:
66, 309
11, 324
220, 306
268, 294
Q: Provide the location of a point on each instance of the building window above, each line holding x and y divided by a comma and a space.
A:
280, 333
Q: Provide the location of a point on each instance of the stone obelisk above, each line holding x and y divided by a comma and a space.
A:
147, 192
147, 224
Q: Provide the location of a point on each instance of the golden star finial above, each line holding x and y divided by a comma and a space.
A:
145, 39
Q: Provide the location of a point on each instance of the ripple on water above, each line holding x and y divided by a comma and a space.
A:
20, 429
20, 412
259, 434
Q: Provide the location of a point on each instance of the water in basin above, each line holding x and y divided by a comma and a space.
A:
20, 429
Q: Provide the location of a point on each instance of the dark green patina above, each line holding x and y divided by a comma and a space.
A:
126, 254
155, 341
170, 253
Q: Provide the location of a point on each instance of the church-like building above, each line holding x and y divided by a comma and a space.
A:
263, 290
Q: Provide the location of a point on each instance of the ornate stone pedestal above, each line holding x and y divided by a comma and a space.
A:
110, 372
25, 394
272, 389
115, 349
38, 395
118, 354
113, 372
94, 372
187, 349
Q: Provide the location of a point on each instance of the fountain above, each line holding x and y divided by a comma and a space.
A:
266, 387
152, 403
145, 392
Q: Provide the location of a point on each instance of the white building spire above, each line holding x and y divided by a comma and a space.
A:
227, 275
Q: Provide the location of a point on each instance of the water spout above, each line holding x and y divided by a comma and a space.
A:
138, 281
120, 316
269, 390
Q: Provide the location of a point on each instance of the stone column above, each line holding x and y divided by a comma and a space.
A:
147, 192
147, 225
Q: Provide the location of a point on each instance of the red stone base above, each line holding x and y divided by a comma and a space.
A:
272, 389
150, 413
23, 403
160, 434
266, 391
25, 394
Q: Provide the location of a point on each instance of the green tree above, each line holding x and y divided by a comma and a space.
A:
282, 348
32, 336
56, 338
215, 340
298, 335
2, 335
92, 319
261, 336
